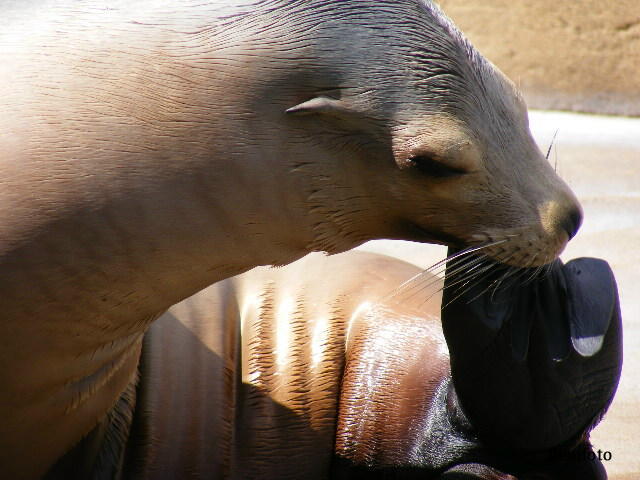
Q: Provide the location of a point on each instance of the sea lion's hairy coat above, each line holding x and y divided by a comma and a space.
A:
145, 153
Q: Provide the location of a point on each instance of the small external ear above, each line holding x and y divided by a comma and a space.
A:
320, 105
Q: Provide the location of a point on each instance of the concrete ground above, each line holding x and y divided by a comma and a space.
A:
599, 157
563, 54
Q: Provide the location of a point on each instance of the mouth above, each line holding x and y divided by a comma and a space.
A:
501, 251
416, 233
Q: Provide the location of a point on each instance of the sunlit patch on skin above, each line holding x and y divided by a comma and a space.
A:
548, 212
386, 360
283, 317
443, 348
248, 313
361, 309
319, 339
253, 377
426, 427
382, 341
374, 369
250, 304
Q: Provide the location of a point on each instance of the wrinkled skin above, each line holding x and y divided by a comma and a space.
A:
291, 373
149, 149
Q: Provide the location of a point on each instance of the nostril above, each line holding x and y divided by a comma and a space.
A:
572, 222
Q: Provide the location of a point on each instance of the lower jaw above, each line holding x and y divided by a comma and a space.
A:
415, 233
519, 259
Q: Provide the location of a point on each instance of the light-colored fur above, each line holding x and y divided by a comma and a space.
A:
145, 154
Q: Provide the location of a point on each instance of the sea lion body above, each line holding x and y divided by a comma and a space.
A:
252, 368
281, 373
247, 378
148, 150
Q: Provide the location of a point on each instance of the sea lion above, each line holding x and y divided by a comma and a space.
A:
150, 149
282, 374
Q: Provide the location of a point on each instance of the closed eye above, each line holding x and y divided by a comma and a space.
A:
434, 168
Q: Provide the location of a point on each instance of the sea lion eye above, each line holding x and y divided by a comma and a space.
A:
434, 168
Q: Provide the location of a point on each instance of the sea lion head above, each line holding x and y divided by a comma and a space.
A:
535, 368
435, 136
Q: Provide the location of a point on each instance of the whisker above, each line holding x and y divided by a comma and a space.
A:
463, 269
522, 272
507, 280
532, 277
412, 282
508, 272
551, 144
548, 269
466, 272
416, 283
496, 266
467, 251
466, 279
478, 276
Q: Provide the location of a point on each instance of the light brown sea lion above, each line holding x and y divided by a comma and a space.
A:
300, 373
149, 149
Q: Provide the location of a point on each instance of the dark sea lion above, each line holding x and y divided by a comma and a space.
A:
149, 149
283, 374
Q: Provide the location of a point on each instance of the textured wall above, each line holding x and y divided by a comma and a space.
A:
581, 55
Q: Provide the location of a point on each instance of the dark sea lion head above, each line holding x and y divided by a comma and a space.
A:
536, 366
432, 141
533, 369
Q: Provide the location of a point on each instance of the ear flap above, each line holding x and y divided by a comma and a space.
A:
320, 105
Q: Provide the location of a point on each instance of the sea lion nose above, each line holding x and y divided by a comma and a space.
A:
572, 221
